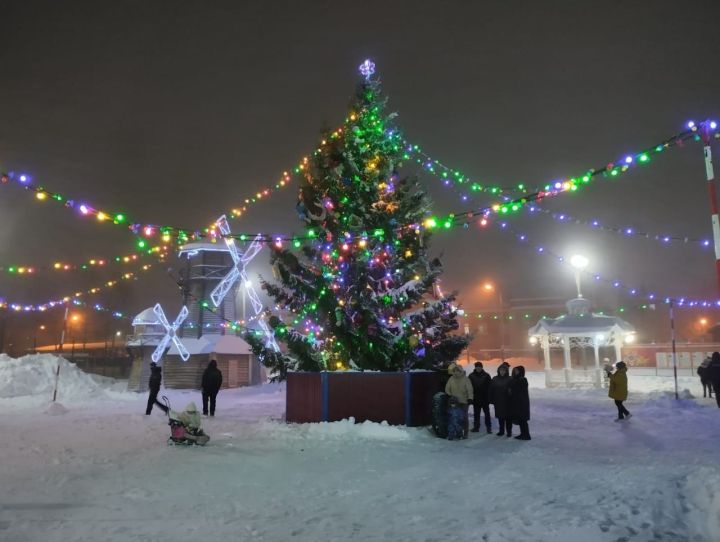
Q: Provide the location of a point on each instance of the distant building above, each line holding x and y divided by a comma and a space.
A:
576, 332
204, 333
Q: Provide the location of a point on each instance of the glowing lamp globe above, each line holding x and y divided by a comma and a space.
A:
579, 262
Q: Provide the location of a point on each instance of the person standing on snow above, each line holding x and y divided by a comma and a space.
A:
618, 389
154, 387
704, 375
480, 381
499, 398
211, 382
459, 386
519, 401
713, 372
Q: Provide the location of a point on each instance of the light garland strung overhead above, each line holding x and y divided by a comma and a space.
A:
664, 239
504, 314
466, 188
42, 307
617, 284
93, 263
448, 175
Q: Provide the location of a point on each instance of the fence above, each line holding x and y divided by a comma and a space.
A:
645, 359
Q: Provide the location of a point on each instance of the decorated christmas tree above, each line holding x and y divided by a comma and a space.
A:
358, 288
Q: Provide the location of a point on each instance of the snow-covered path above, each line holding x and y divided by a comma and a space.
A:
102, 471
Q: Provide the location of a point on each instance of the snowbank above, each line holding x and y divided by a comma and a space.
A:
30, 380
348, 429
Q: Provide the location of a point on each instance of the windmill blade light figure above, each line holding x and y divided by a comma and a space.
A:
239, 272
170, 334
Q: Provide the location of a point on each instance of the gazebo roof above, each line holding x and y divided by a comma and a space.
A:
579, 321
213, 344
146, 318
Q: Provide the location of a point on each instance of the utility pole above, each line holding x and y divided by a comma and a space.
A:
706, 128
64, 329
3, 324
672, 338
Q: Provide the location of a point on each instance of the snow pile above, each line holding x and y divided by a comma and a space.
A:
32, 379
56, 409
348, 429
344, 430
704, 503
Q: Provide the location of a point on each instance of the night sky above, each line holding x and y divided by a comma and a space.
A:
173, 112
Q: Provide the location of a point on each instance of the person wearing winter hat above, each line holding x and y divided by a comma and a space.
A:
713, 372
211, 382
461, 389
480, 381
519, 401
499, 398
154, 387
704, 374
618, 390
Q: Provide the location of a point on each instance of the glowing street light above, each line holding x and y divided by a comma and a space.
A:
489, 287
579, 262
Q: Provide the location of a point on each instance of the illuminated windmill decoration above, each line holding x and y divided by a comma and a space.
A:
170, 334
239, 272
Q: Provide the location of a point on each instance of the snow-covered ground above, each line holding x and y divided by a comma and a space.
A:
100, 470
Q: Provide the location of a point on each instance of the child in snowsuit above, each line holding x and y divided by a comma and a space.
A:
619, 389
456, 419
519, 401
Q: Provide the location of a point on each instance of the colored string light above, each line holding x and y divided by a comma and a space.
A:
92, 263
42, 307
623, 231
454, 177
467, 188
448, 175
616, 284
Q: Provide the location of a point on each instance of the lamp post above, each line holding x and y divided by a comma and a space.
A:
490, 287
579, 263
74, 319
245, 286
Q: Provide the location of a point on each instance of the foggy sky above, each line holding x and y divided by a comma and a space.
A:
173, 112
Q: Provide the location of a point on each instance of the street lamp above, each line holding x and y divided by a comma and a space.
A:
246, 285
489, 287
74, 319
579, 262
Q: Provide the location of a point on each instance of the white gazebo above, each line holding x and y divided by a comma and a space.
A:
579, 329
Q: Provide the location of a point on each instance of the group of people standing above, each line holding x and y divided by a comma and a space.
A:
709, 373
507, 392
210, 386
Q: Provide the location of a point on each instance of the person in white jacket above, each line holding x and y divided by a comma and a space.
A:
460, 387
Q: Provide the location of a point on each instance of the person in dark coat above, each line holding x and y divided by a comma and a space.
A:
713, 373
499, 398
519, 401
154, 387
480, 381
704, 375
211, 382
